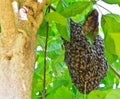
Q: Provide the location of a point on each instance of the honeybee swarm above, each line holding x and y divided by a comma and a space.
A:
87, 64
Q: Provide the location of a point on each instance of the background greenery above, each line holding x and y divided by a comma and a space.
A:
58, 81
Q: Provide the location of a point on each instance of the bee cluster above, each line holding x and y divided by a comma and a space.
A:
87, 64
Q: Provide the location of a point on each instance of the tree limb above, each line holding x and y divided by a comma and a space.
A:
7, 21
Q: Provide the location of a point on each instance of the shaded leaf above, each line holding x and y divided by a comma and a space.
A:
56, 17
42, 29
109, 79
111, 58
54, 48
56, 84
64, 31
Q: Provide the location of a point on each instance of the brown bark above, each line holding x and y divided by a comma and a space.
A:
17, 44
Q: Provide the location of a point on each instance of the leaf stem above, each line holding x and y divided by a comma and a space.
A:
45, 55
115, 71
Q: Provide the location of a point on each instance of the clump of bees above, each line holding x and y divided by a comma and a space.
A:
87, 64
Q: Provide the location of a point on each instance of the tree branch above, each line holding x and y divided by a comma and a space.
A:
45, 55
104, 8
7, 21
115, 71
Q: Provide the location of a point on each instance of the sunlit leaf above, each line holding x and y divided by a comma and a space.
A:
116, 38
62, 93
59, 7
112, 43
51, 1
110, 25
76, 8
97, 94
112, 1
114, 94
56, 17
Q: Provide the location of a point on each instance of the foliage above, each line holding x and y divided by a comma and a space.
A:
58, 81
112, 1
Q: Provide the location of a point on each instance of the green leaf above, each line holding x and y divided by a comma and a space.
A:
109, 79
56, 17
82, 16
114, 94
111, 58
65, 91
54, 48
116, 38
56, 84
110, 23
110, 26
51, 1
61, 93
112, 43
42, 29
59, 7
112, 1
64, 31
96, 94
76, 8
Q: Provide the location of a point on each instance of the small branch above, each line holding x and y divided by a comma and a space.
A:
104, 8
99, 9
51, 7
45, 55
115, 71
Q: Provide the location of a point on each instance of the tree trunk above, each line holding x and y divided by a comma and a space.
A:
17, 45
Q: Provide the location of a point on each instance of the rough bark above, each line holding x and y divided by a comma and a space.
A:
17, 44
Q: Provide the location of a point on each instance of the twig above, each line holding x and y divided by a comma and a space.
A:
115, 71
51, 7
45, 55
104, 8
99, 9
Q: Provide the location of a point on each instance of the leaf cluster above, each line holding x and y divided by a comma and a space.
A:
58, 81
